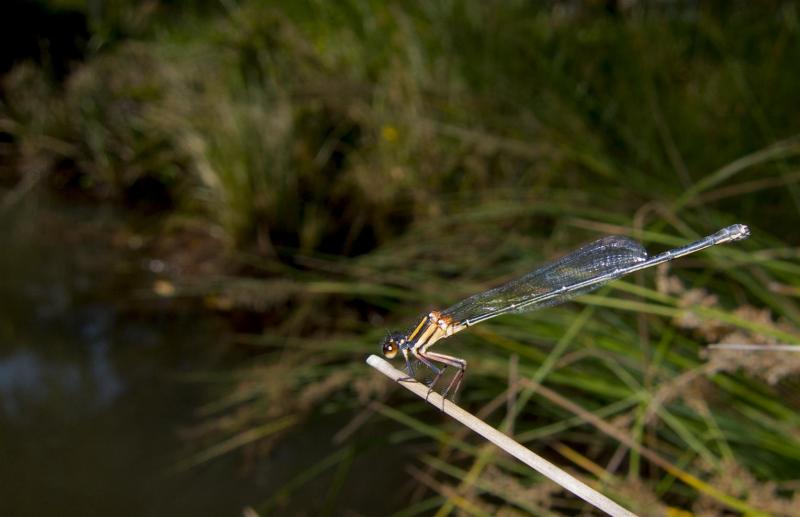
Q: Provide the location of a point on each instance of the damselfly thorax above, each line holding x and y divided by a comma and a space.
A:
415, 345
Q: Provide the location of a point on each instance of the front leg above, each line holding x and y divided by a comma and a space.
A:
412, 376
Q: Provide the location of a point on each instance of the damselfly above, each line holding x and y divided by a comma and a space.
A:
579, 272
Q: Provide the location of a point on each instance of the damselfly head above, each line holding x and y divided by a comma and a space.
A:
391, 344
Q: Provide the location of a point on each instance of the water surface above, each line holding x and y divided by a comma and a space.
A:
93, 390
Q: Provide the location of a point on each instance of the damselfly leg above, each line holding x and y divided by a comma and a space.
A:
446, 360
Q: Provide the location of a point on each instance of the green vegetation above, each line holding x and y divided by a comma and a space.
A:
364, 163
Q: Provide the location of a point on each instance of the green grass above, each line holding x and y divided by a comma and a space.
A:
366, 163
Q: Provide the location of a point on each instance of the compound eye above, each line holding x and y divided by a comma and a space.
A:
390, 349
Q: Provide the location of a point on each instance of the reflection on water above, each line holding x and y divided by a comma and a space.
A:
90, 401
29, 378
25, 380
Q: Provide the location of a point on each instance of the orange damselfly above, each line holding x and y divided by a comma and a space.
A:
555, 282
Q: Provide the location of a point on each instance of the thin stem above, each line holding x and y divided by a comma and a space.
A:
503, 441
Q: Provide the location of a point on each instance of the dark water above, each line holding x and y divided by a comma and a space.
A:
92, 376
94, 393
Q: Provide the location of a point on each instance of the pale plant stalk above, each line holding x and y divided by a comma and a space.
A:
502, 440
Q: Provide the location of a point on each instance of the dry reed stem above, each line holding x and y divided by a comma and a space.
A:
503, 441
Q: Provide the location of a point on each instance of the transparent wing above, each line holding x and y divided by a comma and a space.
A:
581, 271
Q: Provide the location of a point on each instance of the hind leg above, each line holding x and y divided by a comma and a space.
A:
447, 360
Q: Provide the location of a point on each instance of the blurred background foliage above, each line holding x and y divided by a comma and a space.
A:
347, 166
